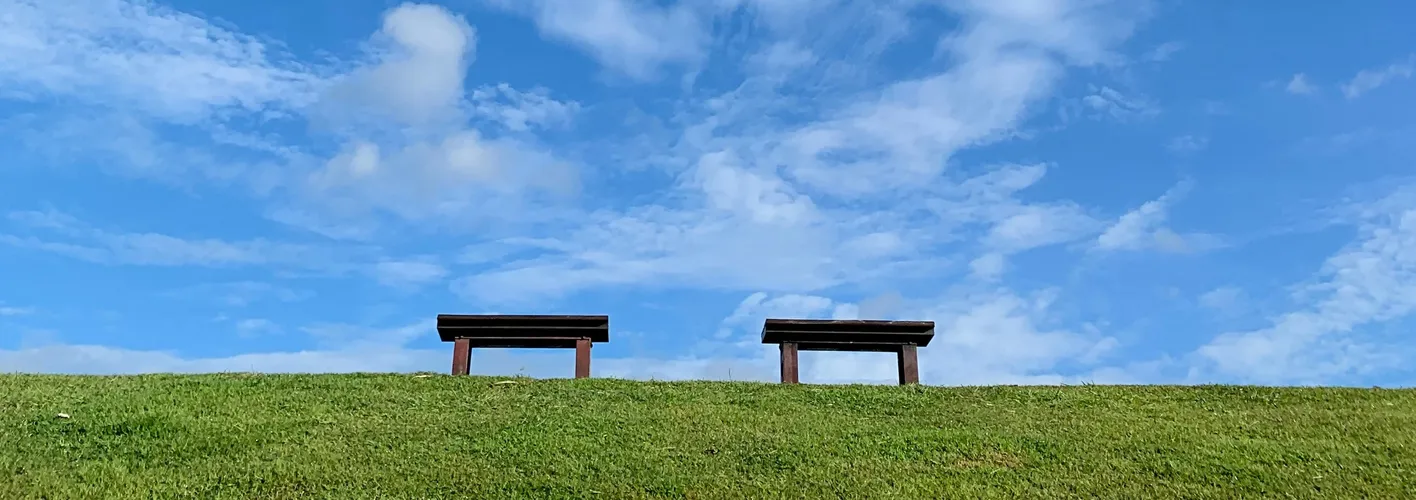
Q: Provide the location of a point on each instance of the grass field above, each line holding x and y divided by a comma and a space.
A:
406, 436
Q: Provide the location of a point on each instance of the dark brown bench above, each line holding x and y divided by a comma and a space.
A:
899, 337
467, 331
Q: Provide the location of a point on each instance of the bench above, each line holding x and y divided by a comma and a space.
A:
467, 331
899, 337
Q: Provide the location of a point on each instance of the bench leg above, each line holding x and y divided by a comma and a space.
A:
582, 358
461, 356
909, 364
789, 362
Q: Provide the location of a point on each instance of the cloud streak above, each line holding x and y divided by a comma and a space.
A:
170, 64
1369, 281
1368, 80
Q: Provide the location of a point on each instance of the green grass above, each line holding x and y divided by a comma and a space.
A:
404, 436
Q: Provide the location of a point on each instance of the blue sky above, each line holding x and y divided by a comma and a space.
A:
1073, 190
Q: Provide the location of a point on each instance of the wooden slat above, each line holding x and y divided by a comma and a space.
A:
852, 346
522, 319
855, 325
815, 331
452, 326
566, 342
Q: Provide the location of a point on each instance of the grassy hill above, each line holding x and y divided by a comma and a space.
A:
406, 436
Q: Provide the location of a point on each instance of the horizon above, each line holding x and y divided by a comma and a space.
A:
1073, 191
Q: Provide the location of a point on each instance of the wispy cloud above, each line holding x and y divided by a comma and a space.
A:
762, 204
632, 38
400, 111
256, 326
1371, 280
1164, 51
1368, 80
1225, 299
66, 235
407, 150
127, 51
415, 75
1144, 229
520, 111
241, 293
1111, 103
1299, 85
81, 241
983, 337
795, 173
15, 311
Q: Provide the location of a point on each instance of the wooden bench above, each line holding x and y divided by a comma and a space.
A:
467, 331
899, 337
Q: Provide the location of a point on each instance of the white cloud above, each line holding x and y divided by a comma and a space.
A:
159, 61
398, 113
773, 206
520, 111
155, 249
1144, 229
1372, 280
15, 311
760, 198
459, 175
346, 348
741, 204
989, 266
654, 246
413, 157
884, 306
906, 136
372, 358
359, 350
95, 359
757, 204
46, 219
627, 36
1113, 104
1164, 51
1031, 226
256, 326
1225, 299
1299, 85
70, 237
781, 59
123, 142
1369, 79
899, 138
416, 80
981, 338
799, 33
997, 337
747, 318
1083, 32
